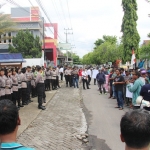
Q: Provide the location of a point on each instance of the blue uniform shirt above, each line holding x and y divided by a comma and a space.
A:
13, 146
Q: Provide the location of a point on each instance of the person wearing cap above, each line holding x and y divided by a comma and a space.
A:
8, 86
143, 77
68, 76
14, 86
101, 81
48, 78
53, 73
23, 87
33, 89
40, 88
2, 83
57, 77
28, 77
19, 88
44, 77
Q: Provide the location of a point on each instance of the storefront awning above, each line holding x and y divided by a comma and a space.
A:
11, 58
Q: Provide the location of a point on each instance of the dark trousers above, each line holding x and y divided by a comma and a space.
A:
33, 91
40, 89
119, 96
24, 95
61, 75
28, 90
68, 80
19, 96
15, 97
89, 79
94, 81
44, 95
2, 97
53, 84
8, 96
101, 86
57, 81
85, 81
48, 82
111, 91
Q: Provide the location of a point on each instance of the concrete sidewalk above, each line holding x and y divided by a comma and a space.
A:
30, 112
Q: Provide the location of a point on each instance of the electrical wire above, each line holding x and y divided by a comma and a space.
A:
70, 20
44, 11
63, 12
16, 4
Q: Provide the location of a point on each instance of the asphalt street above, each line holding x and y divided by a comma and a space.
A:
103, 120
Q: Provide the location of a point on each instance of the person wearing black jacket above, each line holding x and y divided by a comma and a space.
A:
101, 81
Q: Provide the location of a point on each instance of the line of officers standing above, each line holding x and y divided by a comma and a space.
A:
20, 84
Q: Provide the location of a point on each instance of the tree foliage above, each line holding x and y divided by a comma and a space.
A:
27, 44
144, 51
130, 38
75, 57
6, 24
107, 51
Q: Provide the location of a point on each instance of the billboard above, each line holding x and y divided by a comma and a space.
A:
64, 46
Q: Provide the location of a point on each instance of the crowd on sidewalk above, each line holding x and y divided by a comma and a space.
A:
124, 85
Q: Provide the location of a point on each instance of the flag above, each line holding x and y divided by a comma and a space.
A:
133, 59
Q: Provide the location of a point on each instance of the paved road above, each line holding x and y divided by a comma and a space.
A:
56, 127
103, 120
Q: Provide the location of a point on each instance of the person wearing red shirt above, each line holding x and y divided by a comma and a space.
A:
80, 74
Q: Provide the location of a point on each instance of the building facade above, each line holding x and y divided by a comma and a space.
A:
30, 18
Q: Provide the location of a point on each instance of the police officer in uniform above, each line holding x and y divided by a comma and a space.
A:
8, 87
24, 87
53, 73
19, 88
48, 78
2, 83
40, 87
68, 76
28, 77
14, 86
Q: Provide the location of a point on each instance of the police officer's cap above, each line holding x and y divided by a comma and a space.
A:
39, 68
29, 67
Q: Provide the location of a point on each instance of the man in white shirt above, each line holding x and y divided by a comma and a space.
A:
61, 71
85, 78
89, 75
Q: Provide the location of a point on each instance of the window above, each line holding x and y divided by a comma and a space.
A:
9, 36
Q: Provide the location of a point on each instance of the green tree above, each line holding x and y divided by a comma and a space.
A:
144, 51
6, 24
106, 51
130, 38
27, 44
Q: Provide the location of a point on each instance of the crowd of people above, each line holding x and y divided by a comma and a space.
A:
21, 84
125, 85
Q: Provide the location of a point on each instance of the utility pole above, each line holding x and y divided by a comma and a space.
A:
67, 38
43, 37
67, 34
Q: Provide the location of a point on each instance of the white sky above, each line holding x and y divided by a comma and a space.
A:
90, 19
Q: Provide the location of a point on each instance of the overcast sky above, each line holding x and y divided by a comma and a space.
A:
89, 19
